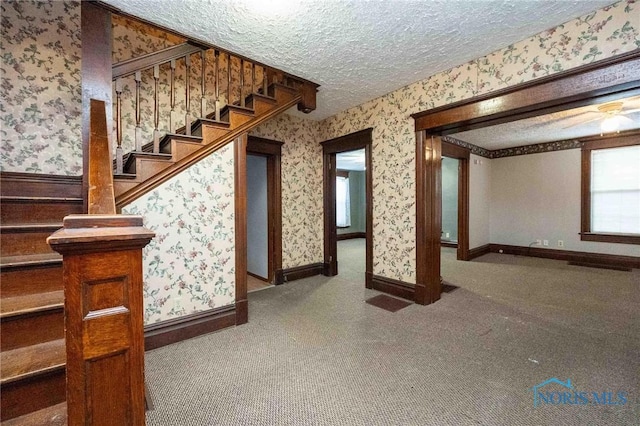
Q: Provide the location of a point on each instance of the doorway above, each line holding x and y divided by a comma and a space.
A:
455, 199
356, 186
264, 213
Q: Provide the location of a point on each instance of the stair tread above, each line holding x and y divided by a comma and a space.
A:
32, 360
242, 109
210, 120
30, 259
55, 415
5, 198
31, 226
29, 303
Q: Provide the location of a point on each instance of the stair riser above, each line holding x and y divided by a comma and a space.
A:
19, 243
236, 119
147, 168
210, 133
30, 329
181, 149
19, 212
25, 396
261, 106
16, 243
22, 281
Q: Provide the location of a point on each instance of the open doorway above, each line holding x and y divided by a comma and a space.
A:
348, 206
455, 199
264, 214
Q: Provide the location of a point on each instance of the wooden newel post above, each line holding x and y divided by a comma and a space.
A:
102, 261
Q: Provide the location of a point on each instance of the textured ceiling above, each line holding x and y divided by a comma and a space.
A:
563, 125
358, 50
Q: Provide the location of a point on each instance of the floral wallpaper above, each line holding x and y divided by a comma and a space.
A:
133, 39
302, 220
41, 92
603, 33
190, 265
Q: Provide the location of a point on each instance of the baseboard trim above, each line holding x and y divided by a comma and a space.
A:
351, 235
393, 287
188, 326
479, 251
448, 244
571, 256
304, 271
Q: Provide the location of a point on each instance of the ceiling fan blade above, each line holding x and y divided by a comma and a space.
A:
582, 122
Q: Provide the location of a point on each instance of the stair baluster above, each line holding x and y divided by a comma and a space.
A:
156, 109
172, 98
253, 78
203, 88
265, 81
242, 102
138, 137
217, 81
229, 100
187, 116
119, 153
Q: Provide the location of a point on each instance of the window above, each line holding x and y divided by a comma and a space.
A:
343, 205
611, 190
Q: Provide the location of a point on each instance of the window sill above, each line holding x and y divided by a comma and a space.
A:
611, 238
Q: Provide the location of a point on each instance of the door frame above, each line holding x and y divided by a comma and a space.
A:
272, 150
598, 82
331, 147
462, 155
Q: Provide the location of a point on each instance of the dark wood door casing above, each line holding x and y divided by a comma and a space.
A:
598, 82
350, 142
462, 154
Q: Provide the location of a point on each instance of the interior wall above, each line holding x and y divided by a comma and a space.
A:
450, 199
357, 203
190, 264
479, 200
257, 216
302, 220
537, 196
41, 90
598, 35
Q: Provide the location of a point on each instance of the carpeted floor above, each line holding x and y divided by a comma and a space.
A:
313, 353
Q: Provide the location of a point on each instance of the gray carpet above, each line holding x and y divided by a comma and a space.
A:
313, 353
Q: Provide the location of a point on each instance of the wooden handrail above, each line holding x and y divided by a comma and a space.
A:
130, 66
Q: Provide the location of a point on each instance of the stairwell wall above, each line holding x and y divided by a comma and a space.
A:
603, 33
41, 90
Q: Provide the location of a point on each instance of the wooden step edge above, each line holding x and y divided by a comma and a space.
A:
266, 98
30, 227
30, 304
33, 373
43, 358
55, 415
30, 260
131, 157
39, 200
280, 86
210, 121
237, 108
125, 176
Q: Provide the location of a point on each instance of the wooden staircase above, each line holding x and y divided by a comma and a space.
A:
144, 170
33, 350
32, 361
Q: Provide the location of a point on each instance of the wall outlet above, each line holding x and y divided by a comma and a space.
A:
538, 242
545, 243
560, 243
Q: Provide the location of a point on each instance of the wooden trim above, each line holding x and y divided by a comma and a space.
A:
614, 141
141, 63
584, 85
571, 256
428, 218
351, 235
35, 185
448, 244
331, 147
462, 155
273, 151
258, 277
393, 287
188, 326
96, 74
479, 251
240, 163
342, 173
304, 271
